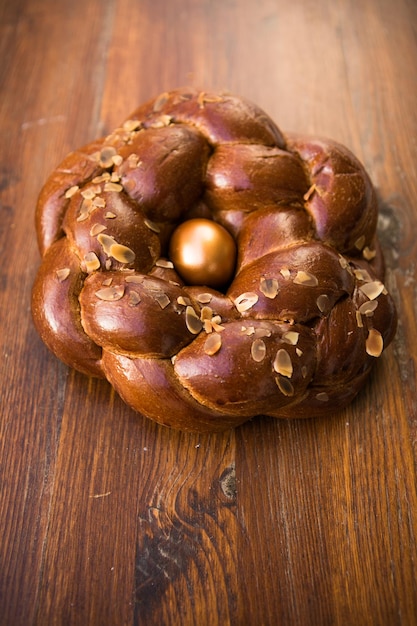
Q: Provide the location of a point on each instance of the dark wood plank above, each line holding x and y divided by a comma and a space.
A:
107, 518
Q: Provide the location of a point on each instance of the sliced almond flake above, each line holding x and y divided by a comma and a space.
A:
262, 332
192, 321
323, 303
212, 344
85, 210
306, 279
216, 326
106, 156
162, 299
184, 301
374, 343
108, 264
208, 327
344, 263
285, 272
310, 192
246, 301
368, 253
368, 308
122, 253
291, 336
304, 371
96, 229
117, 160
359, 320
134, 279
110, 215
131, 125
92, 262
360, 242
362, 275
107, 282
322, 396
134, 298
111, 294
372, 290
63, 274
133, 160
152, 226
284, 386
298, 352
106, 242
114, 178
258, 350
71, 191
206, 313
269, 287
161, 121
88, 194
165, 264
101, 178
99, 202
250, 331
204, 298
283, 364
113, 187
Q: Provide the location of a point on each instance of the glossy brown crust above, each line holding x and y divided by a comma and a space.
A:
306, 314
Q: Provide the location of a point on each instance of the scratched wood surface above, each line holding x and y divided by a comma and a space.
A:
109, 519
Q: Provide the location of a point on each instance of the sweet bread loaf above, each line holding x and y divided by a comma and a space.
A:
284, 312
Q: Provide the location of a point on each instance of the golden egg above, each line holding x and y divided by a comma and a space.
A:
203, 253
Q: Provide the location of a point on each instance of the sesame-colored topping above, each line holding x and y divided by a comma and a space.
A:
110, 215
106, 242
110, 186
106, 156
165, 264
291, 336
63, 274
374, 343
284, 386
111, 294
134, 278
152, 226
92, 262
258, 350
184, 301
285, 272
107, 282
131, 125
71, 191
162, 299
246, 301
134, 298
269, 287
360, 242
283, 364
306, 279
368, 253
204, 298
192, 321
121, 253
323, 303
372, 290
96, 229
212, 344
368, 308
322, 396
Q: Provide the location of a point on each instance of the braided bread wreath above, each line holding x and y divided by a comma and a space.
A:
295, 330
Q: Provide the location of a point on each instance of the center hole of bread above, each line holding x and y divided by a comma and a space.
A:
203, 253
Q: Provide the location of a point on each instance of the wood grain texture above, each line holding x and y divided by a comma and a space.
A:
107, 518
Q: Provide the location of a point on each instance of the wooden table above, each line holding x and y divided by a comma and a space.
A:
105, 517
